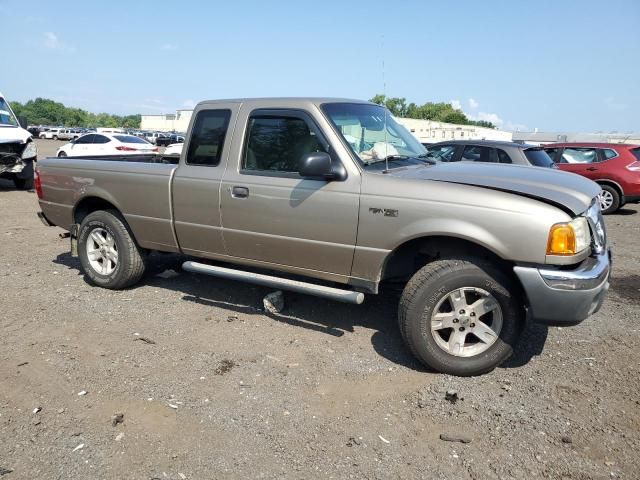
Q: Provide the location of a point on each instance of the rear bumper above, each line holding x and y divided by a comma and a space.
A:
566, 297
43, 218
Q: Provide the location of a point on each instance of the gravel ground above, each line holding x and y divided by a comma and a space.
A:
210, 386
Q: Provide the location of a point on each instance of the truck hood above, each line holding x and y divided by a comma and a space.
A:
13, 134
563, 189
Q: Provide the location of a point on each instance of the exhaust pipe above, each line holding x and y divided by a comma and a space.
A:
346, 296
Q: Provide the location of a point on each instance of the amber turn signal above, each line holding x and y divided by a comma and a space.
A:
562, 240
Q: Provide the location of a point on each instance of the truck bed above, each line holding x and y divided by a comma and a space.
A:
137, 185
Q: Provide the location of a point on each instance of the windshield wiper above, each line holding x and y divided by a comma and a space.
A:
388, 158
427, 159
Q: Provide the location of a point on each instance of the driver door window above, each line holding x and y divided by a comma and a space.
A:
276, 144
444, 153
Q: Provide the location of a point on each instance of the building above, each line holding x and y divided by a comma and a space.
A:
426, 131
429, 131
537, 138
170, 122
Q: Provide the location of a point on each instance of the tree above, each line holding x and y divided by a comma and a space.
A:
438, 112
43, 111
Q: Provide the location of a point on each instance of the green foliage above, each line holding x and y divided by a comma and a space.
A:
439, 112
43, 111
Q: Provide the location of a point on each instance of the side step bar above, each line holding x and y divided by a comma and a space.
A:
346, 296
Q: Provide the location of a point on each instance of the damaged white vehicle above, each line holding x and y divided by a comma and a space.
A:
18, 151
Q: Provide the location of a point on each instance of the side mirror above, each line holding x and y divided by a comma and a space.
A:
318, 166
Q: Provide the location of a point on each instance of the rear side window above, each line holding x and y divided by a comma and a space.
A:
474, 153
503, 157
579, 155
129, 139
100, 139
636, 153
609, 153
277, 143
538, 157
207, 137
85, 139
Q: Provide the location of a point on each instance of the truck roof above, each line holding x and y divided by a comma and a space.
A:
278, 101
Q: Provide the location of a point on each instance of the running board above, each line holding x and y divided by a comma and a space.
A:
346, 296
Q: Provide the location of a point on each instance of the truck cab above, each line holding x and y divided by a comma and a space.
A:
18, 152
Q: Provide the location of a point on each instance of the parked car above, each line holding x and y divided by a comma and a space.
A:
614, 166
489, 151
105, 144
18, 152
51, 133
152, 137
174, 149
311, 187
69, 133
169, 139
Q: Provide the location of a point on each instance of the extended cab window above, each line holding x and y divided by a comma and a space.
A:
207, 138
277, 143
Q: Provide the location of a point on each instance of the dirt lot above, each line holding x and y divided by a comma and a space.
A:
323, 390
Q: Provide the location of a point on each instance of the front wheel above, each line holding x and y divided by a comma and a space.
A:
62, 154
109, 255
460, 316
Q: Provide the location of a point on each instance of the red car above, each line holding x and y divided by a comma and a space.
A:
615, 166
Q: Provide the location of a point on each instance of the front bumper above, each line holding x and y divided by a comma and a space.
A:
558, 296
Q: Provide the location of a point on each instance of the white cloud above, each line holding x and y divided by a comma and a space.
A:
473, 104
456, 104
189, 103
169, 46
51, 40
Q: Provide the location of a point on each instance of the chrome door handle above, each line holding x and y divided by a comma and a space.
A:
240, 192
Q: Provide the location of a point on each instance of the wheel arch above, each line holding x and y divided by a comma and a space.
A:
611, 183
410, 256
90, 204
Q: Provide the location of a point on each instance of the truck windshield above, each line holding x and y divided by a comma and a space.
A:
6, 116
373, 134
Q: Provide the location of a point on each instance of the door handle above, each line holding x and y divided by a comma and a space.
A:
592, 169
239, 192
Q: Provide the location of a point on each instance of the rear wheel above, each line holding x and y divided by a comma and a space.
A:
62, 154
55, 137
108, 252
460, 317
609, 199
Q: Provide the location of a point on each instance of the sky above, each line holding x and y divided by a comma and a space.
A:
551, 65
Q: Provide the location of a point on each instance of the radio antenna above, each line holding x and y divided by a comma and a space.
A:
384, 95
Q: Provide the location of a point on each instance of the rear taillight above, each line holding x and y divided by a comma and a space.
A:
37, 184
634, 166
126, 149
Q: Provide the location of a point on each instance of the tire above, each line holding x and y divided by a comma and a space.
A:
55, 137
112, 230
62, 154
23, 183
609, 199
429, 292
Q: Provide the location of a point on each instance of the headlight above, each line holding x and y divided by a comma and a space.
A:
569, 238
30, 151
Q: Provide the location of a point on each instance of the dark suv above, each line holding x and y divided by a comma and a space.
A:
489, 151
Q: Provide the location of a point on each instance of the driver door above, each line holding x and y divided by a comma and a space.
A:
271, 214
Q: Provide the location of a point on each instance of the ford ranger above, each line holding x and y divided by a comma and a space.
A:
17, 150
334, 198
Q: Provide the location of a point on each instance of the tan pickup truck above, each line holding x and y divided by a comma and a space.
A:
334, 198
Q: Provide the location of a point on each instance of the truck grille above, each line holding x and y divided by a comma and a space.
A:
10, 152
